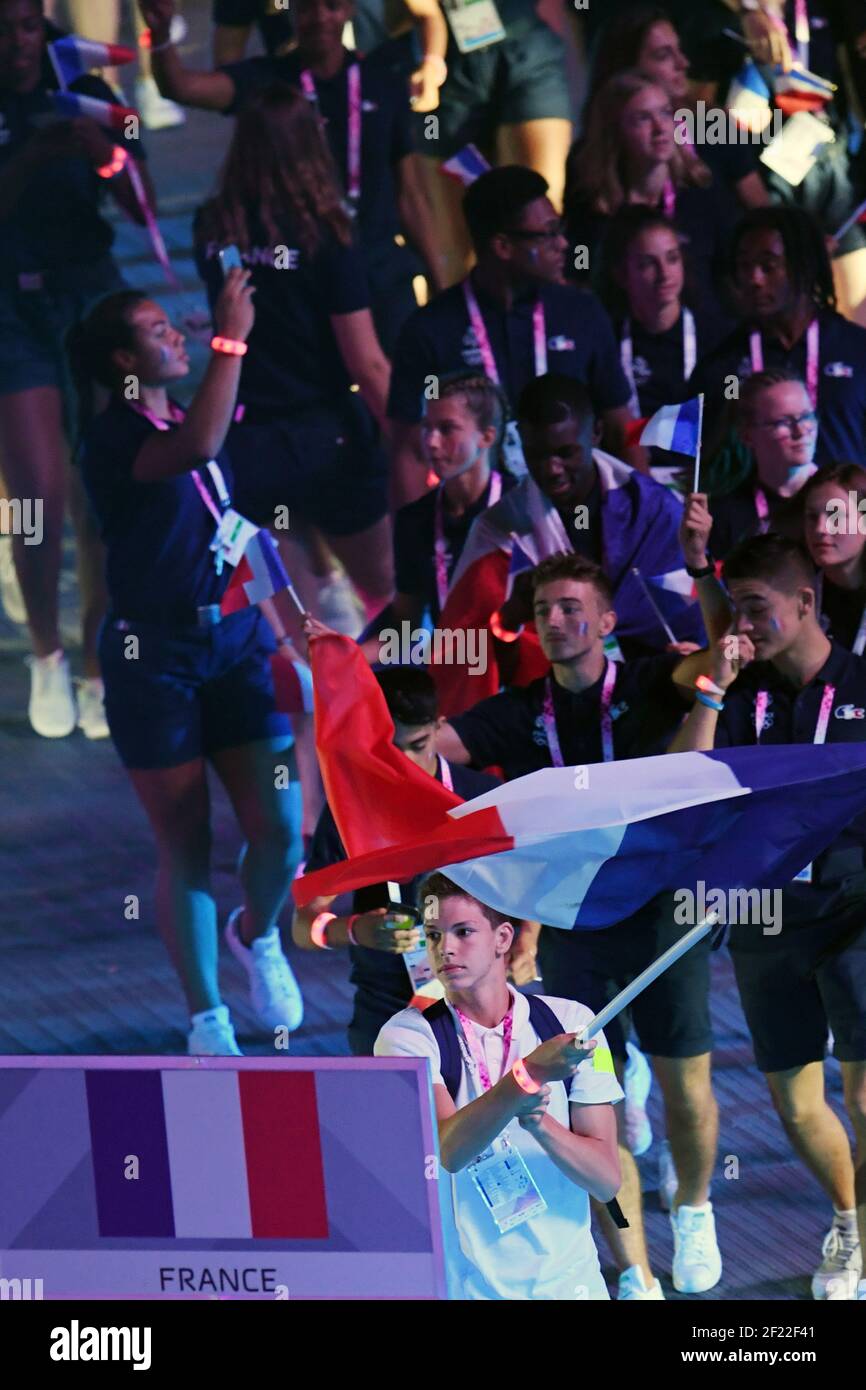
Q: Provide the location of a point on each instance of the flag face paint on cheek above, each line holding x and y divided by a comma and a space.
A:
775, 625
582, 629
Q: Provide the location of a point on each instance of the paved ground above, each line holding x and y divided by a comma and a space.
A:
78, 977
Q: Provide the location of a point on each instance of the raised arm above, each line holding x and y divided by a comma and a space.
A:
202, 434
212, 91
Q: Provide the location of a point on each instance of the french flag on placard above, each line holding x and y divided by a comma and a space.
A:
466, 165
675, 427
105, 113
260, 575
73, 57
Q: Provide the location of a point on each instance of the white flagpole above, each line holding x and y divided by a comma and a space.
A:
646, 978
697, 486
652, 603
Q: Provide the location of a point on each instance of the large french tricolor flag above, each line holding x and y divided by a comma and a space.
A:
260, 575
105, 113
73, 57
250, 1167
586, 852
675, 427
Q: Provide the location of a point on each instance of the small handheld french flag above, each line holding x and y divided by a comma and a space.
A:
260, 575
73, 57
466, 165
749, 99
675, 427
105, 113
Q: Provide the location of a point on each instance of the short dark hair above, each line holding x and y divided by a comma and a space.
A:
850, 477
438, 885
567, 565
806, 257
553, 398
410, 694
777, 560
494, 202
762, 381
484, 399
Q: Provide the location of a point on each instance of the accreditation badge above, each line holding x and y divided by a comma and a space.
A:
474, 24
507, 1186
232, 537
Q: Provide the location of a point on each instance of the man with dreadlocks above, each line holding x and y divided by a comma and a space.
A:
779, 272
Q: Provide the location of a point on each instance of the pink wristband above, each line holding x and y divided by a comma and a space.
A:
523, 1079
318, 931
233, 347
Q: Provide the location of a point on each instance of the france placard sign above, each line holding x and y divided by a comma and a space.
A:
190, 1177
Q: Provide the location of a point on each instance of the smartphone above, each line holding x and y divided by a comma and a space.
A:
230, 257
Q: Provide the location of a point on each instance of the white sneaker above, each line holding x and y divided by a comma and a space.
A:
339, 605
91, 708
52, 700
11, 597
668, 1180
637, 1084
697, 1263
632, 1287
276, 995
212, 1034
156, 111
841, 1263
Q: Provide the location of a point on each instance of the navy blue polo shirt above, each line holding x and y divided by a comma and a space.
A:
842, 612
735, 517
792, 717
415, 537
841, 382
507, 730
439, 339
159, 567
386, 129
293, 364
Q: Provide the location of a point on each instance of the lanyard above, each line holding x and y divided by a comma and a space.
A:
445, 774
353, 152
669, 198
549, 717
756, 352
761, 701
477, 1052
762, 507
440, 552
626, 357
213, 467
860, 639
479, 328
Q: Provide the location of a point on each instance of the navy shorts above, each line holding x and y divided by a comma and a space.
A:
331, 471
797, 985
672, 1017
521, 79
34, 323
179, 694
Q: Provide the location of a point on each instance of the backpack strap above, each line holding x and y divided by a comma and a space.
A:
439, 1017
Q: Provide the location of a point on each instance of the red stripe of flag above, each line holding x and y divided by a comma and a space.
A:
284, 1155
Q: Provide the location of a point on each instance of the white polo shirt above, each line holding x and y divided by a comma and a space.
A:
550, 1256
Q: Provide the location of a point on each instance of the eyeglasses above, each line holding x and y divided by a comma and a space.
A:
785, 424
551, 233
